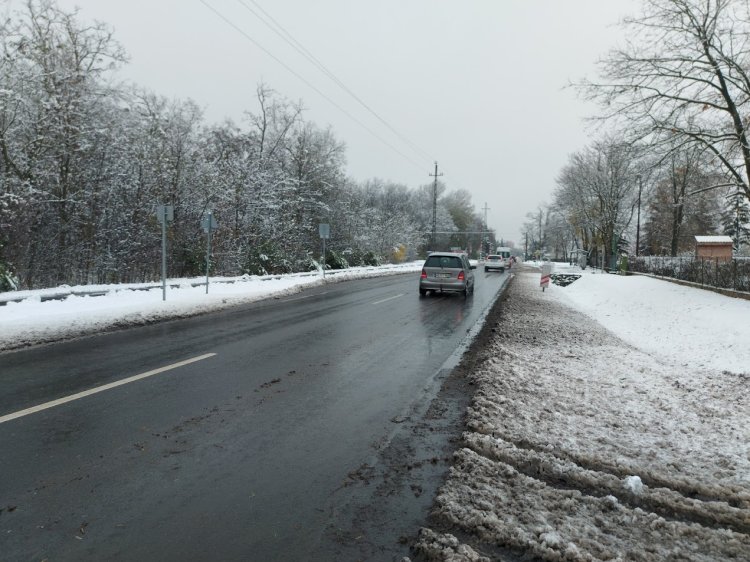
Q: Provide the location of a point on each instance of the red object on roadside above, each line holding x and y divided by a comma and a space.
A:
546, 276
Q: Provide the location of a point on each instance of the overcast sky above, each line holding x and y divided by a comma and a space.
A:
476, 85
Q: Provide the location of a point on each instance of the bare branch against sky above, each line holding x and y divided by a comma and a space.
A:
478, 86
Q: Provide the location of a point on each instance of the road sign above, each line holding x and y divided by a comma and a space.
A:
324, 230
165, 212
208, 222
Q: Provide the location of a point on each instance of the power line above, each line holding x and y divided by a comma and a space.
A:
311, 86
300, 48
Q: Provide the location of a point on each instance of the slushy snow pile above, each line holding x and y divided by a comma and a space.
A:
611, 421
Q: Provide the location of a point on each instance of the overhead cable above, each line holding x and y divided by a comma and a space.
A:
311, 86
279, 30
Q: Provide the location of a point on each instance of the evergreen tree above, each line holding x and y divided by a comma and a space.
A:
735, 219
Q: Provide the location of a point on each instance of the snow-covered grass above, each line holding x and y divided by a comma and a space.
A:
611, 422
32, 321
686, 326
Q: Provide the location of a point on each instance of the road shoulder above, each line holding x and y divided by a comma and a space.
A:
581, 447
377, 512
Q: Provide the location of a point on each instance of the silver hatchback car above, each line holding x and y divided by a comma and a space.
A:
447, 272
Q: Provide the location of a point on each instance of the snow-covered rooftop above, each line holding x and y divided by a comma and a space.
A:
714, 240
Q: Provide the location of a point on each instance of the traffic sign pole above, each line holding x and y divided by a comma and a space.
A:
209, 225
324, 230
164, 255
208, 258
164, 213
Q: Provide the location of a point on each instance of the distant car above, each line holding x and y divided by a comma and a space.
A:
495, 262
447, 272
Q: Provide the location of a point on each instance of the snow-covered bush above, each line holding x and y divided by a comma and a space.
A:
398, 254
8, 281
334, 260
267, 259
359, 258
306, 263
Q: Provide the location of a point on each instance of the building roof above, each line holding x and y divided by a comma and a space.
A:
714, 240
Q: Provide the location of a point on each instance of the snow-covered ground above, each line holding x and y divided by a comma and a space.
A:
611, 422
34, 321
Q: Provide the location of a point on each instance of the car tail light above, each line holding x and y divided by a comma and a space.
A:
424, 274
461, 276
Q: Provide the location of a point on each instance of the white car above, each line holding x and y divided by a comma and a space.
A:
495, 261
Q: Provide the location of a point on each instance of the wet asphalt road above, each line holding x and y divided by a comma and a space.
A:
231, 457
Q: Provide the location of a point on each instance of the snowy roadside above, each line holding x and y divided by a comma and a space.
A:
606, 425
32, 321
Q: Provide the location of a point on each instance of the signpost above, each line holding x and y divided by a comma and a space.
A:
164, 214
324, 230
209, 224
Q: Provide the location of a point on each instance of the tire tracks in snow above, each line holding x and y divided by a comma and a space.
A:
580, 447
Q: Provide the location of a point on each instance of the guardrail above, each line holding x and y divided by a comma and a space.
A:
97, 291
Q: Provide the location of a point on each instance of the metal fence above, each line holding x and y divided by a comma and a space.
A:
726, 274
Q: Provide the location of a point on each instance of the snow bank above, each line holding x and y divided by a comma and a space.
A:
690, 327
32, 321
582, 446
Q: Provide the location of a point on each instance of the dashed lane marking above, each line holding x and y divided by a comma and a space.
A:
102, 388
389, 299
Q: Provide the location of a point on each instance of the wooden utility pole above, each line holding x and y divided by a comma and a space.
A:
434, 207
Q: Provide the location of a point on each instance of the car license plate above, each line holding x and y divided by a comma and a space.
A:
443, 275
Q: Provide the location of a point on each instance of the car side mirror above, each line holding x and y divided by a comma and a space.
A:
473, 266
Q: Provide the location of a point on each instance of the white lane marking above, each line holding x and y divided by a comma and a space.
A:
305, 297
389, 298
95, 390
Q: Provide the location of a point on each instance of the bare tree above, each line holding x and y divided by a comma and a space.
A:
597, 191
682, 79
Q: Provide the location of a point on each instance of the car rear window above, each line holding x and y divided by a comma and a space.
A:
443, 261
493, 257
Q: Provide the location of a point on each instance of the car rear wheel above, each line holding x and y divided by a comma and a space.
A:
422, 292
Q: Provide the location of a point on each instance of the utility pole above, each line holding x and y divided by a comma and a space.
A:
638, 222
485, 232
540, 229
434, 207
